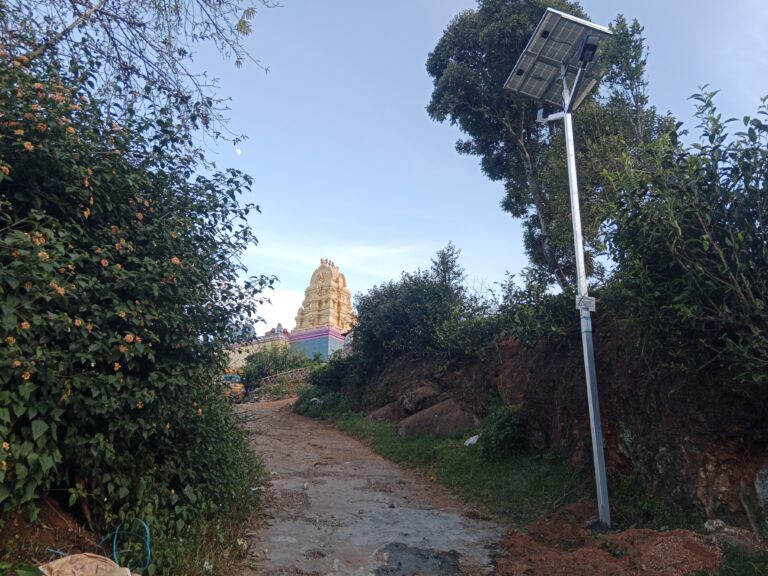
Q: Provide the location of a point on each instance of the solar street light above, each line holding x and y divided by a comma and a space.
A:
558, 67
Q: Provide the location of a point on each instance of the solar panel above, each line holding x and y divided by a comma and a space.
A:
559, 39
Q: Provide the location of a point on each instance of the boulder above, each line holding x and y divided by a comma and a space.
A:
389, 413
420, 396
446, 417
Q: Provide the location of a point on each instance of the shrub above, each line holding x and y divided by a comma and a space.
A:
501, 433
322, 403
118, 282
273, 360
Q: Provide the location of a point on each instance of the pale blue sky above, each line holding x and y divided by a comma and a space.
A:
348, 166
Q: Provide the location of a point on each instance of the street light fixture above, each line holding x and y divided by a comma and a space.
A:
558, 67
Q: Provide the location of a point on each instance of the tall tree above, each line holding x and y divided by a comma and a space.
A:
469, 66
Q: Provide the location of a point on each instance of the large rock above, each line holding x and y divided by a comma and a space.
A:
446, 417
389, 413
420, 396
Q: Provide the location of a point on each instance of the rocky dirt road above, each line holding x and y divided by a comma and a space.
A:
333, 507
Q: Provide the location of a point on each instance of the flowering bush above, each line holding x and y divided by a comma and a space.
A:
118, 281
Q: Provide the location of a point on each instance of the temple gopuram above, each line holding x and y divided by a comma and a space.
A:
325, 315
322, 322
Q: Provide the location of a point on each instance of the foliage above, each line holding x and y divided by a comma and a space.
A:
690, 240
738, 563
406, 317
633, 503
501, 433
318, 402
270, 360
144, 47
531, 313
469, 66
341, 375
118, 282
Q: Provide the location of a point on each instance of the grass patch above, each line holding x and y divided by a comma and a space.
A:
632, 503
739, 563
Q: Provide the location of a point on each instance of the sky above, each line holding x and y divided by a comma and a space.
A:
348, 166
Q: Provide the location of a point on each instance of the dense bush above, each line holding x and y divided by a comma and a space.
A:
118, 282
341, 374
402, 317
501, 433
689, 236
273, 360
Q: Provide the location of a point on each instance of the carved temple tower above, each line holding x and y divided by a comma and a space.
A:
326, 313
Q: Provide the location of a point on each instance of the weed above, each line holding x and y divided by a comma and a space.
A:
738, 563
633, 503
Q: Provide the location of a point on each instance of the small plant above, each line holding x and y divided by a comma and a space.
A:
501, 433
322, 404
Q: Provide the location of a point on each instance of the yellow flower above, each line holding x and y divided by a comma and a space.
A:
114, 229
24, 325
19, 132
89, 326
139, 216
104, 262
28, 146
118, 266
121, 313
173, 234
118, 246
43, 255
41, 127
129, 338
10, 340
16, 363
15, 253
38, 86
5, 169
117, 366
86, 213
167, 425
71, 129
6, 446
175, 260
139, 405
26, 375
28, 285
122, 348
78, 322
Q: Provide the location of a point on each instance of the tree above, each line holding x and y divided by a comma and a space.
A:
138, 51
469, 66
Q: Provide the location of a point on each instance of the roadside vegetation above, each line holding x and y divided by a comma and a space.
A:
119, 282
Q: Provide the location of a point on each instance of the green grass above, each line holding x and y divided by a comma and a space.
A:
739, 563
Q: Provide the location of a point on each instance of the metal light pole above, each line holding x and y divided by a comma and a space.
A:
563, 47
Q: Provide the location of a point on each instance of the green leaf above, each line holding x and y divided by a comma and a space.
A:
38, 428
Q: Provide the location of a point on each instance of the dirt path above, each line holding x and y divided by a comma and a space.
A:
336, 508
